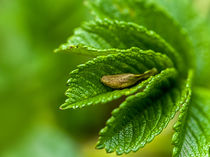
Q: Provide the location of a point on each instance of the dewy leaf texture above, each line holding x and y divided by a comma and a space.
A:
148, 15
104, 37
198, 28
143, 116
192, 136
133, 36
85, 87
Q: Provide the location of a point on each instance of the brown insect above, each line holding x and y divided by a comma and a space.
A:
121, 81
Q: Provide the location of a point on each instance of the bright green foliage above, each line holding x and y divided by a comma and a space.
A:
85, 87
148, 15
134, 124
94, 38
198, 28
133, 36
192, 137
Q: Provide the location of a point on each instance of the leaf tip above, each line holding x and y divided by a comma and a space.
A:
61, 108
56, 50
99, 145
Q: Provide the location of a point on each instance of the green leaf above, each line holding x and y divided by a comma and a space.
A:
142, 116
85, 87
148, 15
192, 136
104, 37
198, 29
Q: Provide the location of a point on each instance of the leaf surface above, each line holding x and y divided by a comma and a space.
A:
192, 136
143, 115
103, 37
85, 87
148, 15
133, 36
197, 26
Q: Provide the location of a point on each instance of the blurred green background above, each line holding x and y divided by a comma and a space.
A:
33, 80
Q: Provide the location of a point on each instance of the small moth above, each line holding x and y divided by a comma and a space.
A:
121, 81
